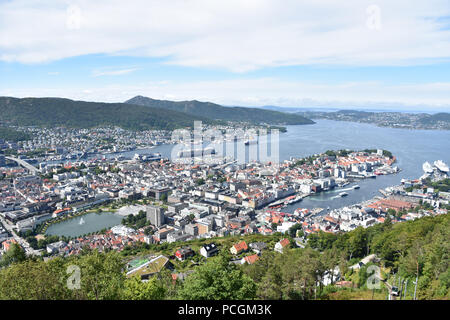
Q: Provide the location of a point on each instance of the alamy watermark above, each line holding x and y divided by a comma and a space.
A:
74, 280
373, 281
73, 17
213, 146
373, 21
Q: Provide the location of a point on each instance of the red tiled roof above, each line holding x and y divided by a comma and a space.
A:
241, 246
284, 242
251, 259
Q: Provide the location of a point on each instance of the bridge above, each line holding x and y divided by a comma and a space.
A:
25, 164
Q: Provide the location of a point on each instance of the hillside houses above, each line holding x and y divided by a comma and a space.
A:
281, 245
238, 248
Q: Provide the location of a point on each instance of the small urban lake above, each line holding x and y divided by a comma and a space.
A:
87, 223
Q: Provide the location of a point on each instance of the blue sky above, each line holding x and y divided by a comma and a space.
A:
358, 54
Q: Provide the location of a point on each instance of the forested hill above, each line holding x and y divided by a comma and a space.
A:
218, 112
81, 114
13, 135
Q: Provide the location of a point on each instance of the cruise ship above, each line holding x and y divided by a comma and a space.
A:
441, 166
427, 167
147, 157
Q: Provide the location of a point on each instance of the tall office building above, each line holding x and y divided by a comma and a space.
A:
155, 215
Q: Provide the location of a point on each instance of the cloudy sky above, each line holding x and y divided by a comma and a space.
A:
296, 53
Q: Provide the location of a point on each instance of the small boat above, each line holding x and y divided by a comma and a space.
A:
343, 194
356, 187
82, 221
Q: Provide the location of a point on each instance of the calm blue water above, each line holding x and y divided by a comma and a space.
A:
92, 222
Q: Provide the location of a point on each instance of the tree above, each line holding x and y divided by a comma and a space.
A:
270, 287
391, 212
136, 289
34, 280
191, 217
218, 280
358, 243
322, 240
387, 224
15, 254
200, 181
102, 275
294, 228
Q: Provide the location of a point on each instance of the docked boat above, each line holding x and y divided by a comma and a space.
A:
427, 167
294, 200
276, 203
441, 166
343, 194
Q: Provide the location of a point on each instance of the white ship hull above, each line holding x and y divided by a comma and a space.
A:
427, 167
441, 166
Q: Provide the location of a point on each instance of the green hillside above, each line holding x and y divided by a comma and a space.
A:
218, 112
9, 134
53, 112
418, 248
442, 116
386, 119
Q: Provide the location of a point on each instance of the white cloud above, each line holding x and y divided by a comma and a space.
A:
237, 35
266, 91
110, 72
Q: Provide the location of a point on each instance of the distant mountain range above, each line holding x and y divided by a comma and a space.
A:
386, 119
217, 112
297, 109
142, 113
52, 112
139, 113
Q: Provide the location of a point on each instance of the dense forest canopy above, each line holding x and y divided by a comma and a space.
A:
51, 112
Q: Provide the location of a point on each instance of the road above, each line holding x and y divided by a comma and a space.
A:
25, 164
23, 243
365, 261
